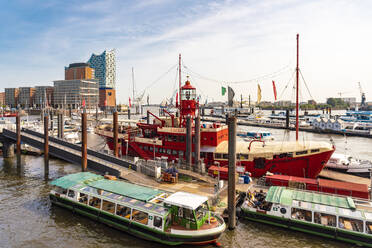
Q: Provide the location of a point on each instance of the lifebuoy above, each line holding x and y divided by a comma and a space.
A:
213, 219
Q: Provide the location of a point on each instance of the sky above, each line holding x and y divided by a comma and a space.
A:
223, 43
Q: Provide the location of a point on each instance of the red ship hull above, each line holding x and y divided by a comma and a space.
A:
308, 166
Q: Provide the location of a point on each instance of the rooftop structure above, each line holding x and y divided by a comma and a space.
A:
79, 71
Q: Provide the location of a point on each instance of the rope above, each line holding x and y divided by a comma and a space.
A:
312, 98
161, 76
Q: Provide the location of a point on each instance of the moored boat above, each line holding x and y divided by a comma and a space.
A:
342, 218
348, 164
256, 135
151, 214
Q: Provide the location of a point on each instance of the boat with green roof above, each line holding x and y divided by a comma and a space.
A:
342, 218
148, 213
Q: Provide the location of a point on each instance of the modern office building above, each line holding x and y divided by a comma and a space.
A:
75, 93
11, 97
79, 71
2, 99
43, 96
26, 97
104, 66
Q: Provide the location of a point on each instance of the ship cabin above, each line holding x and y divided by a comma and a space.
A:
120, 204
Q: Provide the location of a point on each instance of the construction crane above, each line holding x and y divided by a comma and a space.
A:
363, 96
342, 93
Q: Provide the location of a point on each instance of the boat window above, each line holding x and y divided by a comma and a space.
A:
225, 156
182, 138
156, 149
71, 193
301, 152
188, 214
244, 156
60, 190
140, 217
180, 153
350, 224
123, 211
141, 147
145, 148
300, 214
169, 151
325, 219
314, 150
151, 148
95, 202
174, 152
108, 206
83, 198
168, 222
160, 150
158, 221
201, 211
369, 227
218, 155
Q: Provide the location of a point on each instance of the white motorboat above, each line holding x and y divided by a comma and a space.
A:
348, 164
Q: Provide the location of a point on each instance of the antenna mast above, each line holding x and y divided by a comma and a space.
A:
133, 82
179, 84
297, 69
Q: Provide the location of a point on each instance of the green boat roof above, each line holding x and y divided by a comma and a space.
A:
285, 196
76, 178
96, 181
126, 189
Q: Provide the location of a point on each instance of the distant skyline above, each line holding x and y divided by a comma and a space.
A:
220, 41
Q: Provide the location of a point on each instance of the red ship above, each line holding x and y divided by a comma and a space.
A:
8, 114
166, 137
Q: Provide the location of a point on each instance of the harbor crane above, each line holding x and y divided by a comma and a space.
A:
363, 96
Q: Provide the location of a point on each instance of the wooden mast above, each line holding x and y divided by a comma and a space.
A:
297, 69
179, 86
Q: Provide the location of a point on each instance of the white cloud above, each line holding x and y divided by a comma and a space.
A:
224, 40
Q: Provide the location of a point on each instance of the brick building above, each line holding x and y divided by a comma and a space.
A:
11, 97
26, 97
79, 71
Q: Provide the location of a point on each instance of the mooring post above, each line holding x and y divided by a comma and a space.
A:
46, 146
128, 113
18, 130
51, 121
197, 143
62, 126
188, 142
84, 141
287, 119
148, 118
116, 130
96, 113
232, 163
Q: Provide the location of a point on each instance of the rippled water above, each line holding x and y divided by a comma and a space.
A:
27, 219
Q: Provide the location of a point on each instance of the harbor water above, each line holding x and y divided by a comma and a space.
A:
27, 218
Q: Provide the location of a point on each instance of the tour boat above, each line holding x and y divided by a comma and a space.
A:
148, 213
342, 218
8, 114
166, 137
348, 164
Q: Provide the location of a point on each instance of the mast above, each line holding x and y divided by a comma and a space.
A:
179, 86
133, 82
297, 69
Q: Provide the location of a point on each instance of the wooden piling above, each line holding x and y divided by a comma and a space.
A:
148, 118
46, 145
128, 113
188, 142
231, 172
84, 141
287, 119
197, 143
18, 131
116, 129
